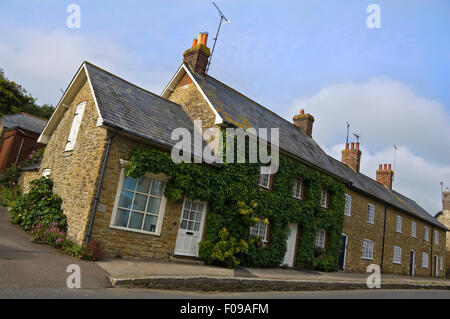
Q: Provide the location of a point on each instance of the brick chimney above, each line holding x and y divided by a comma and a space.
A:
351, 156
197, 56
446, 200
304, 122
385, 175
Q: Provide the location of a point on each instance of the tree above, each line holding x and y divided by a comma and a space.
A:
15, 99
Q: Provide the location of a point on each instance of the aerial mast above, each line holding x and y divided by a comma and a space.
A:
222, 18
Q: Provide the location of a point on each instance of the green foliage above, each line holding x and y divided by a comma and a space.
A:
236, 202
49, 233
224, 251
15, 99
8, 195
10, 176
39, 206
35, 157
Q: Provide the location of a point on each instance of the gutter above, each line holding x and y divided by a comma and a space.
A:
99, 187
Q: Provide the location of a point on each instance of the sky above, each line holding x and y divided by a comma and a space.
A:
390, 83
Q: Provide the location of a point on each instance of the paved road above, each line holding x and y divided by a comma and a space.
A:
24, 265
38, 271
113, 293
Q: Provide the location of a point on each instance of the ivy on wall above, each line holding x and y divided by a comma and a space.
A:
234, 199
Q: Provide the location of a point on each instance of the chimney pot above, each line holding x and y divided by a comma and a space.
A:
194, 42
380, 167
357, 145
352, 157
197, 56
353, 146
204, 38
346, 146
302, 111
389, 166
385, 166
385, 176
304, 122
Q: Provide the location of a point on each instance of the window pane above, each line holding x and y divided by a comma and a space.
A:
186, 214
157, 188
129, 183
136, 220
190, 225
198, 217
153, 205
150, 223
122, 217
139, 202
196, 226
125, 199
143, 184
183, 224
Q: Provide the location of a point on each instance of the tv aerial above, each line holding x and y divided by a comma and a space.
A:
357, 137
222, 18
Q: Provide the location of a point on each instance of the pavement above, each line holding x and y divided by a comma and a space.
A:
31, 269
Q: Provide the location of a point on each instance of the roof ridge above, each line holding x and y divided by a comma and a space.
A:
253, 101
128, 82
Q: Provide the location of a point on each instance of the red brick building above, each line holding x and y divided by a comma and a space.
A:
18, 138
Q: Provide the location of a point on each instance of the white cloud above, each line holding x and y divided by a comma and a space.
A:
44, 62
386, 112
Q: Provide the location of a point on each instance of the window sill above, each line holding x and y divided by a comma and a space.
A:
371, 223
396, 263
366, 258
135, 230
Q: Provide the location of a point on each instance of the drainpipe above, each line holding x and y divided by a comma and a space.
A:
431, 253
99, 187
384, 237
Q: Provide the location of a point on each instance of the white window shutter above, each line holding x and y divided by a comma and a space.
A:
75, 126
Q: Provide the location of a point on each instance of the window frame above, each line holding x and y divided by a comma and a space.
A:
162, 208
324, 204
426, 233
424, 265
397, 257
413, 229
300, 190
269, 177
372, 243
347, 196
323, 240
266, 231
75, 127
398, 226
436, 237
368, 220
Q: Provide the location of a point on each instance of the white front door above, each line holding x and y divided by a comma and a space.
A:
290, 246
191, 228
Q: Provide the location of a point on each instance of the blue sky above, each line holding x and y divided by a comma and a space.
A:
319, 55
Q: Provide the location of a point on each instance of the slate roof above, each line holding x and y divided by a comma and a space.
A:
135, 110
24, 121
239, 110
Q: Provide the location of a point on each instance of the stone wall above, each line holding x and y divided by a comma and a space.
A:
127, 243
75, 173
357, 228
25, 179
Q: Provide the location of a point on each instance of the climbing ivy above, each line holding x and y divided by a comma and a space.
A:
234, 199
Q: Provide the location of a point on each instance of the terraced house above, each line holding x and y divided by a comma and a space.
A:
101, 118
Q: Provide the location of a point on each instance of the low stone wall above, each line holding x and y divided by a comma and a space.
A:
25, 179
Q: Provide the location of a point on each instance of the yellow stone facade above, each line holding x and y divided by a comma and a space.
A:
357, 228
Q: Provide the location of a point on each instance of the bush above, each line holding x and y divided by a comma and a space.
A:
52, 235
8, 195
224, 252
39, 206
10, 177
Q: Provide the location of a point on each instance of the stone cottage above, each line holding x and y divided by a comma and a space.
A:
102, 117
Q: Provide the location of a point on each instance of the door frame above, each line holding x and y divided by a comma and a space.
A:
436, 266
412, 272
345, 250
294, 255
201, 228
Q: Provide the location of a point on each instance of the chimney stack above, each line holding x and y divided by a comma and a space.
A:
446, 200
385, 175
304, 122
351, 156
197, 56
